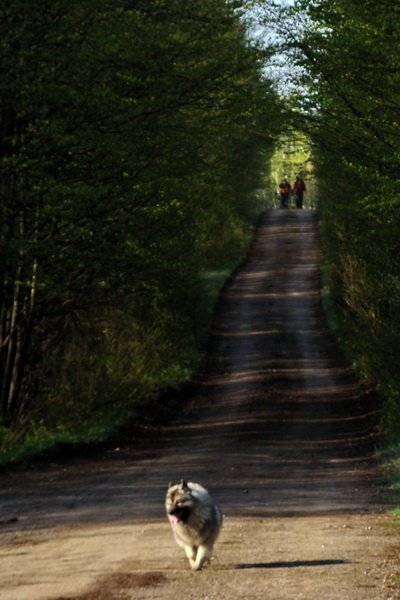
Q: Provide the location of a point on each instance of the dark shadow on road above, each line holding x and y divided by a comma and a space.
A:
293, 564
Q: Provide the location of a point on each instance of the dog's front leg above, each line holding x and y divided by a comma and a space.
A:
191, 553
203, 554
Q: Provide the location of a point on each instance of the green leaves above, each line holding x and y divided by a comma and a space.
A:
129, 150
349, 51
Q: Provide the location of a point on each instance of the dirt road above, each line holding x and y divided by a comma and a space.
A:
279, 430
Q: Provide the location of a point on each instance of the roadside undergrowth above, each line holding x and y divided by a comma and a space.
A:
115, 373
387, 390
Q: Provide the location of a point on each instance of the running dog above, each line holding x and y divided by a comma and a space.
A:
195, 520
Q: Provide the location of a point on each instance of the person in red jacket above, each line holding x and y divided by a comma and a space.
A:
285, 190
299, 187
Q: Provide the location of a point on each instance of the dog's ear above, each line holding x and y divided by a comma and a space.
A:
184, 485
170, 485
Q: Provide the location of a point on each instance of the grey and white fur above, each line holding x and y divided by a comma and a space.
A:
195, 520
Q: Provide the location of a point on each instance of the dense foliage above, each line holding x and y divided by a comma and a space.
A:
130, 147
345, 90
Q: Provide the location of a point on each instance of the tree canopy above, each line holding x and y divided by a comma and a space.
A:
343, 86
133, 138
130, 146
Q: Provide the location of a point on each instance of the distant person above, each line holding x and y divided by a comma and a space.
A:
285, 191
299, 187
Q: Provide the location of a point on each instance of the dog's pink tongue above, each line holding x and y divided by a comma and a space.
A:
175, 520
